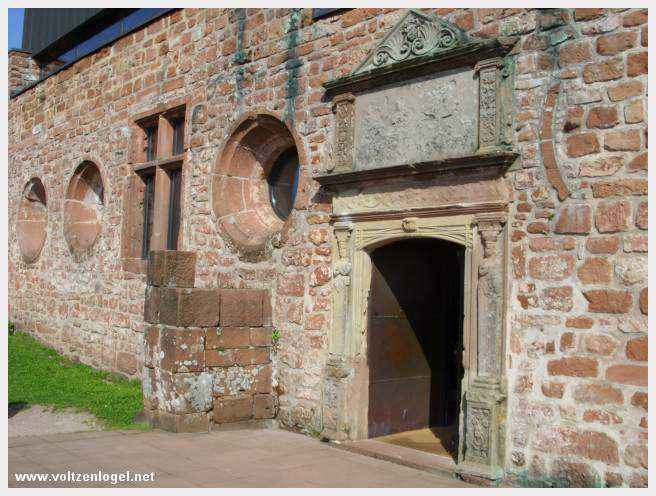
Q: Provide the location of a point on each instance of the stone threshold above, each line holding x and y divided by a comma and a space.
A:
409, 457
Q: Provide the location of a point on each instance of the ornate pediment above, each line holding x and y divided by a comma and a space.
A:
415, 35
419, 44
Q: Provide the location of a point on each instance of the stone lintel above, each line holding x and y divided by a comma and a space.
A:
497, 157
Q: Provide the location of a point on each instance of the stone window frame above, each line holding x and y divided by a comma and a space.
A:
163, 164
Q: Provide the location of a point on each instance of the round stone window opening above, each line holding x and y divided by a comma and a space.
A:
255, 182
83, 209
283, 183
32, 220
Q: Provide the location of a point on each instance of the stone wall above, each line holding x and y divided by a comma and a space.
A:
577, 310
23, 70
207, 354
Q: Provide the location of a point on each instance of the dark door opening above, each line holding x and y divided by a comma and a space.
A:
415, 344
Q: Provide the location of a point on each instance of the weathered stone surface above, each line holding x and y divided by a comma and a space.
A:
598, 394
635, 375
613, 216
242, 307
587, 444
574, 219
574, 367
430, 119
182, 349
172, 268
232, 409
608, 301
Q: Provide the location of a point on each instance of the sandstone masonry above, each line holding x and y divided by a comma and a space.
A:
570, 233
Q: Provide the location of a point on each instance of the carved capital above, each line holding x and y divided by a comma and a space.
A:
343, 232
489, 228
344, 110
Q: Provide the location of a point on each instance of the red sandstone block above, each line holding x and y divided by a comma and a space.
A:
587, 444
621, 187
603, 71
595, 271
588, 14
228, 337
183, 422
232, 409
602, 244
151, 346
635, 18
566, 473
624, 90
637, 64
551, 267
636, 349
598, 344
608, 301
251, 356
644, 301
641, 216
612, 44
242, 307
582, 144
613, 216
553, 389
219, 358
574, 219
640, 400
193, 307
574, 367
598, 394
622, 140
260, 336
603, 117
262, 383
182, 349
582, 322
152, 304
172, 268
264, 406
635, 375
199, 307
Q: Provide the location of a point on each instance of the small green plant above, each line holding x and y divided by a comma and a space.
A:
11, 329
275, 336
551, 215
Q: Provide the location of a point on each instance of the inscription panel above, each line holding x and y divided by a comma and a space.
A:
425, 119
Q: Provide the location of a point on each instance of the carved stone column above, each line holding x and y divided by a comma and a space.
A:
488, 114
344, 109
484, 408
338, 369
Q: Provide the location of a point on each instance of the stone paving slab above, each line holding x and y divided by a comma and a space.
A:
246, 457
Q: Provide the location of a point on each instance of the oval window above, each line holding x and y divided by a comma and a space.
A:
283, 183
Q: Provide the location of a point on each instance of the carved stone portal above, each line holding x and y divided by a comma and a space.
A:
441, 119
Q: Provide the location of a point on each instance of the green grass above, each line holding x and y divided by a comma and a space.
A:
39, 375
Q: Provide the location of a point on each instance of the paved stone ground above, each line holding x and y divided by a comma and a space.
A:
225, 458
37, 420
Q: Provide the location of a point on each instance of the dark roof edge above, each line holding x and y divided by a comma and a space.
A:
22, 90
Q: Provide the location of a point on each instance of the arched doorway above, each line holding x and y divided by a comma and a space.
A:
415, 343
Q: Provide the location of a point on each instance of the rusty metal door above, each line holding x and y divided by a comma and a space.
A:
414, 336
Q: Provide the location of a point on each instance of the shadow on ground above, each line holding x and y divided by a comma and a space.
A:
16, 407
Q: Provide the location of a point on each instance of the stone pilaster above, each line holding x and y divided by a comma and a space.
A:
344, 109
484, 401
489, 102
